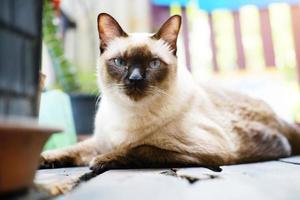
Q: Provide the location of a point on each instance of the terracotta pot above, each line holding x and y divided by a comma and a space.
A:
21, 143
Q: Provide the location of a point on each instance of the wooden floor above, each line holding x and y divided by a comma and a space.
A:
273, 180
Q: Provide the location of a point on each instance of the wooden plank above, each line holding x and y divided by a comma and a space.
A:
48, 176
266, 34
295, 13
186, 39
238, 40
268, 180
130, 184
292, 160
213, 43
159, 14
272, 180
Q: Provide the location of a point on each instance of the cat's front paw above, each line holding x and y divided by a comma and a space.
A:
102, 163
45, 163
50, 160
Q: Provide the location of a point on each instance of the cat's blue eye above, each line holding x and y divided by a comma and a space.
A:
119, 62
155, 64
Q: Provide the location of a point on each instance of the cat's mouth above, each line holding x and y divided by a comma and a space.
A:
136, 90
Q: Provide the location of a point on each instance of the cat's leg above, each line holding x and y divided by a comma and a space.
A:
79, 154
260, 142
148, 156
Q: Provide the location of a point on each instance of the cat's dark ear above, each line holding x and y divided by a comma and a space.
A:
169, 31
108, 29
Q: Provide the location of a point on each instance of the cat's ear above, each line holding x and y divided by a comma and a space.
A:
108, 29
169, 31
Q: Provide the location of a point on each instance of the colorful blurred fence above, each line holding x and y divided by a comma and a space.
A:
161, 10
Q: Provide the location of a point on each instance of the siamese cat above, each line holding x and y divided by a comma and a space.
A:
152, 113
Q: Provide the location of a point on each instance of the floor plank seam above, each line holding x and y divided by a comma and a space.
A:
289, 162
190, 179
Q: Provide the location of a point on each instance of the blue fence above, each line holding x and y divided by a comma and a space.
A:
210, 5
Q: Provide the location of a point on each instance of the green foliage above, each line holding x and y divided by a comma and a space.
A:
289, 73
88, 82
65, 71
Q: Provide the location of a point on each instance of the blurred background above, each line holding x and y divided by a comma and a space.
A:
49, 51
248, 45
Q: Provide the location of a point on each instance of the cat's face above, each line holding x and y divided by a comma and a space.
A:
137, 65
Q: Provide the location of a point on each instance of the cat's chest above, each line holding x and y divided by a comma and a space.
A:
114, 126
109, 131
109, 139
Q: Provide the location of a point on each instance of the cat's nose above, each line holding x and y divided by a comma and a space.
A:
136, 75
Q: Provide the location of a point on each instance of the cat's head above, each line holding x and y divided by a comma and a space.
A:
138, 65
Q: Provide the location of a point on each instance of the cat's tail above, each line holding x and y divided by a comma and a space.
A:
292, 132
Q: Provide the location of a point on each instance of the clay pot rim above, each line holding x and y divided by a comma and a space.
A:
25, 125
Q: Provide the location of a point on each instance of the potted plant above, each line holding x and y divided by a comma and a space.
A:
83, 103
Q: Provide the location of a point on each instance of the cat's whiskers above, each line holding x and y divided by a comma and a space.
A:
113, 86
154, 90
150, 89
